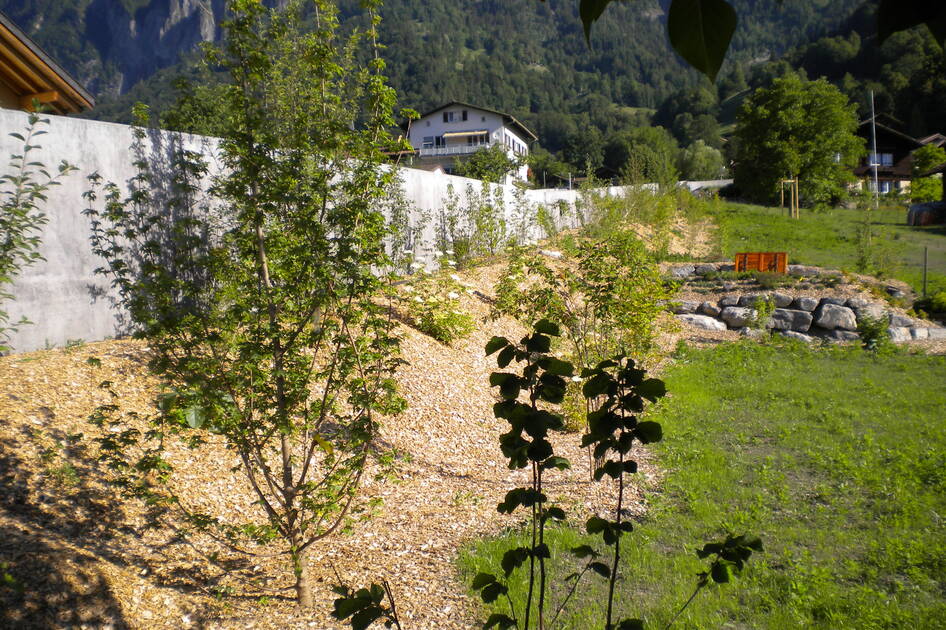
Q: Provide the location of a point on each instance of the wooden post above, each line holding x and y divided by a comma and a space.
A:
926, 264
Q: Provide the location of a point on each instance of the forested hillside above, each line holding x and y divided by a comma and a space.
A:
523, 56
590, 107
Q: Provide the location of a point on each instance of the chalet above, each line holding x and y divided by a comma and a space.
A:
457, 130
894, 158
28, 74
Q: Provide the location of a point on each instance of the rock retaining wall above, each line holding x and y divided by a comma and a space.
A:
801, 317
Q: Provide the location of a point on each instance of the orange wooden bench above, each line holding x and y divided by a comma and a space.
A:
762, 261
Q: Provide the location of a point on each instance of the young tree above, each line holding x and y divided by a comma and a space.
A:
489, 165
22, 194
926, 189
797, 128
260, 306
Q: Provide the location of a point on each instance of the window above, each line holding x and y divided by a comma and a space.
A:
440, 141
478, 139
449, 116
883, 187
464, 115
881, 159
428, 142
428, 123
483, 118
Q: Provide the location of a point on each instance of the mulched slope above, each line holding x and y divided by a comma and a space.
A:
84, 556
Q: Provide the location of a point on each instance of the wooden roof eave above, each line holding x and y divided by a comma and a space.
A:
31, 73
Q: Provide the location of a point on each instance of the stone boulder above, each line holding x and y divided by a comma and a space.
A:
728, 300
840, 336
685, 307
708, 308
782, 300
683, 271
737, 316
936, 333
920, 333
752, 333
788, 319
805, 303
900, 321
791, 334
832, 316
702, 321
856, 303
704, 269
837, 301
899, 334
872, 311
750, 299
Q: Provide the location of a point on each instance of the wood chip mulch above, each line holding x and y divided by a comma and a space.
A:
85, 558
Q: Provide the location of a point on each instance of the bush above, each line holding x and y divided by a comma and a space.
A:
432, 306
874, 334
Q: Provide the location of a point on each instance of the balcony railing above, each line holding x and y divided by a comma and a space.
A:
460, 149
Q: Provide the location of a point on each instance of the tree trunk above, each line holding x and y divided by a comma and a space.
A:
303, 588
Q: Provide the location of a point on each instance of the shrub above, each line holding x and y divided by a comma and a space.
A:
431, 304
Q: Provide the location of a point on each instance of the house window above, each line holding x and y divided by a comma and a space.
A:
428, 123
483, 118
464, 115
441, 141
881, 159
428, 142
883, 187
449, 116
477, 140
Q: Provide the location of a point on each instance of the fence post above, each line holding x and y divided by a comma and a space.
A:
926, 264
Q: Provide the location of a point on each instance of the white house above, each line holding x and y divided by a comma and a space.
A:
456, 130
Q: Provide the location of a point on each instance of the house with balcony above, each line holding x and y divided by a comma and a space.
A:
893, 158
456, 130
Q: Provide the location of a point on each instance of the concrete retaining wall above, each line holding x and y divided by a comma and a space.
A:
63, 296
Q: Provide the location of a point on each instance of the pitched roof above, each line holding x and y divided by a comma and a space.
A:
894, 132
31, 73
508, 119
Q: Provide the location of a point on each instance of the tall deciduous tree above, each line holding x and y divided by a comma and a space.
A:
797, 128
260, 308
924, 189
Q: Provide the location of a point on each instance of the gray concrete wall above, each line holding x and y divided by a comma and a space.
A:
63, 296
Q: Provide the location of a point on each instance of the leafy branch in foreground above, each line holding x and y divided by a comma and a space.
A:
22, 193
701, 30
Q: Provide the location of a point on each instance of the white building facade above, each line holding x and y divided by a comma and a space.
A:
457, 130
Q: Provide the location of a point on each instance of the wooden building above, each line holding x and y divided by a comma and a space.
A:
28, 73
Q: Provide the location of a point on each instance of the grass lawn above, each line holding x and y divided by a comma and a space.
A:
829, 239
836, 458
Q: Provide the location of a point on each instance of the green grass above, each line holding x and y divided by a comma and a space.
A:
836, 458
829, 239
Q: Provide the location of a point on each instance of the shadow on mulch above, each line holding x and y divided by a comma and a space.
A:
49, 584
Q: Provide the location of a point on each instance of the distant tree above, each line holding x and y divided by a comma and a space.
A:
700, 161
647, 153
797, 128
490, 164
925, 189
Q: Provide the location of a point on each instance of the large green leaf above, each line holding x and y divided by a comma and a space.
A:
700, 30
899, 15
590, 11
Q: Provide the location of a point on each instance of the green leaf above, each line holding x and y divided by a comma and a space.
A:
600, 568
555, 513
596, 524
495, 344
492, 592
506, 356
365, 617
584, 551
652, 389
596, 385
195, 416
499, 620
546, 327
482, 579
721, 572
649, 432
557, 367
538, 343
513, 559
590, 11
556, 462
900, 15
347, 606
700, 30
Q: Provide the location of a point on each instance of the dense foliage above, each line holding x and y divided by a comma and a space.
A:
797, 129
